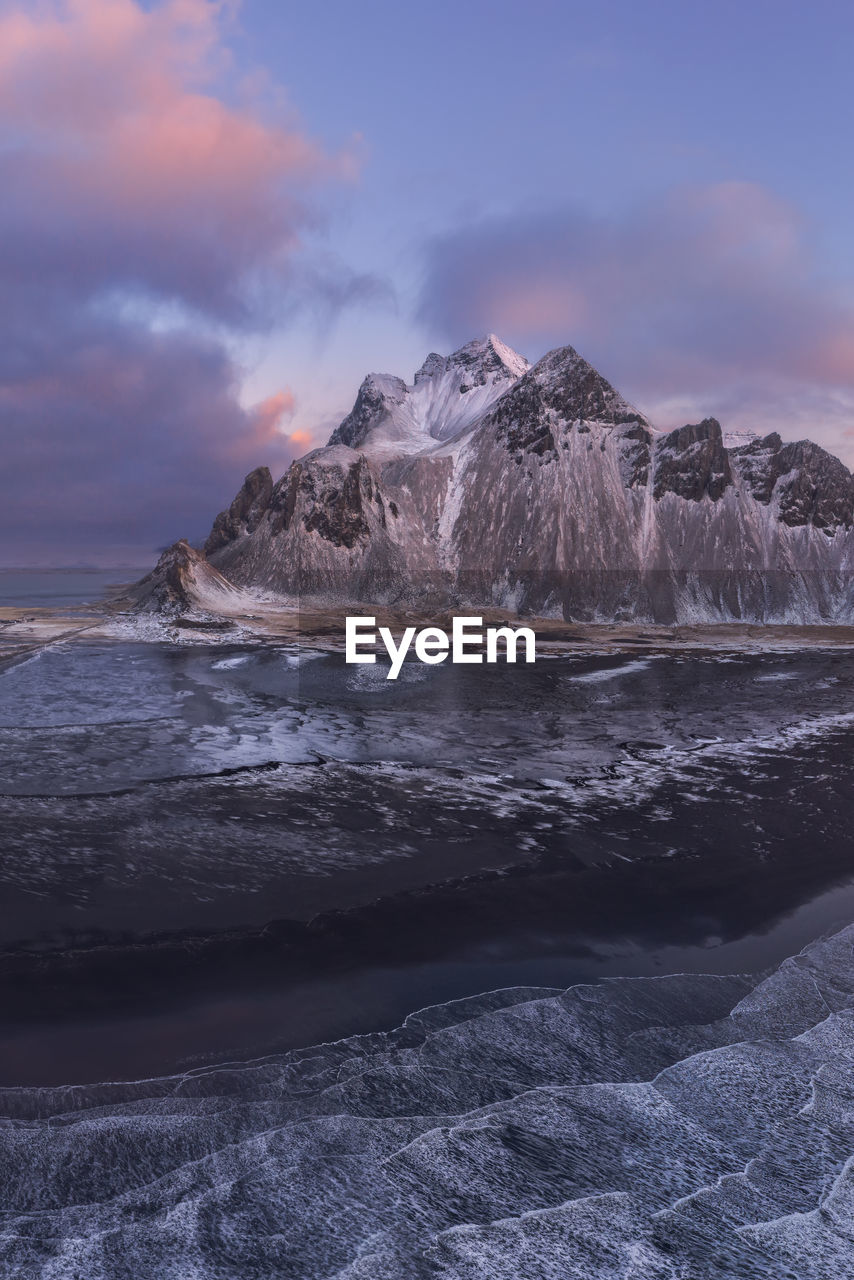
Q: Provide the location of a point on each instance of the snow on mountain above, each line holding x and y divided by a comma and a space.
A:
737, 439
487, 481
448, 394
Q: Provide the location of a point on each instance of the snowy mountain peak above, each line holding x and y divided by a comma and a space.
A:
434, 366
183, 581
483, 359
490, 355
377, 397
385, 386
448, 394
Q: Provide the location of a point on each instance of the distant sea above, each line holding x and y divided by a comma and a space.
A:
34, 588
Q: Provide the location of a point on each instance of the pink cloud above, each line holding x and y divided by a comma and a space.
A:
301, 439
537, 304
266, 442
111, 118
268, 414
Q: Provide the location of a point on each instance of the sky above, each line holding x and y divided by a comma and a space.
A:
216, 218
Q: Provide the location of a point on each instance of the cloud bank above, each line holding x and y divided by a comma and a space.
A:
709, 301
153, 209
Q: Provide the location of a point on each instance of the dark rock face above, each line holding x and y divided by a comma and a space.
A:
521, 421
332, 506
759, 464
338, 514
284, 498
563, 388
574, 390
812, 486
693, 463
636, 454
245, 513
820, 491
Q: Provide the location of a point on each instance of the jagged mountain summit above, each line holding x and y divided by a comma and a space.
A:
447, 396
539, 489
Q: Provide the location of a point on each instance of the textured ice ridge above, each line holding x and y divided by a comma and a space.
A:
690, 1127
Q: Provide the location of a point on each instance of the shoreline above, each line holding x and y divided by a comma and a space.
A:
324, 629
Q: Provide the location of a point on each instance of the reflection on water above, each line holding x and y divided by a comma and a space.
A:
257, 1019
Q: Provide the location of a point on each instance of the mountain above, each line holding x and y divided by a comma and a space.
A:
182, 582
487, 481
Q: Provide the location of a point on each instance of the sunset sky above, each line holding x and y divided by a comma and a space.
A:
216, 218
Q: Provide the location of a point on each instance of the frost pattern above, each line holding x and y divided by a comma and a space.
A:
691, 1127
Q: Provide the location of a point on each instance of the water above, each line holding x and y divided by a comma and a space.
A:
59, 588
225, 852
415, 841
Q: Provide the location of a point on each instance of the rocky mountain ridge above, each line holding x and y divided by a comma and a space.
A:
540, 489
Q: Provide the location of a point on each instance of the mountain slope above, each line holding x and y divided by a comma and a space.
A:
184, 581
490, 482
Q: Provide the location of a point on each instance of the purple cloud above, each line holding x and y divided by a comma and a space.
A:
145, 219
709, 299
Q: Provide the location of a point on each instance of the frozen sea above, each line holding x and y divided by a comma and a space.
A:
221, 849
215, 855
